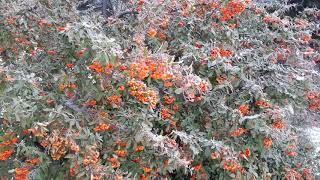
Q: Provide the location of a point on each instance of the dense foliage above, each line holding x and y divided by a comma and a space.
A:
179, 89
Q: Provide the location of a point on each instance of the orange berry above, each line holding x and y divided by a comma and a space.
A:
215, 155
215, 53
61, 28
292, 153
69, 65
238, 132
267, 142
91, 102
152, 32
162, 36
121, 88
121, 153
244, 109
278, 124
147, 169
52, 52
139, 148
168, 84
197, 167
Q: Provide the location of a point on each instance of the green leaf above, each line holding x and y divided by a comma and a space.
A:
178, 91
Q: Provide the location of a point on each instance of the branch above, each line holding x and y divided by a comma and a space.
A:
121, 15
107, 9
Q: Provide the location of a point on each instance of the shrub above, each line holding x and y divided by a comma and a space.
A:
177, 89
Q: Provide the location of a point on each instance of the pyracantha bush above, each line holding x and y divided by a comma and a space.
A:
170, 89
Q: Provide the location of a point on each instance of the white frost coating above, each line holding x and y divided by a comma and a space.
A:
314, 136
